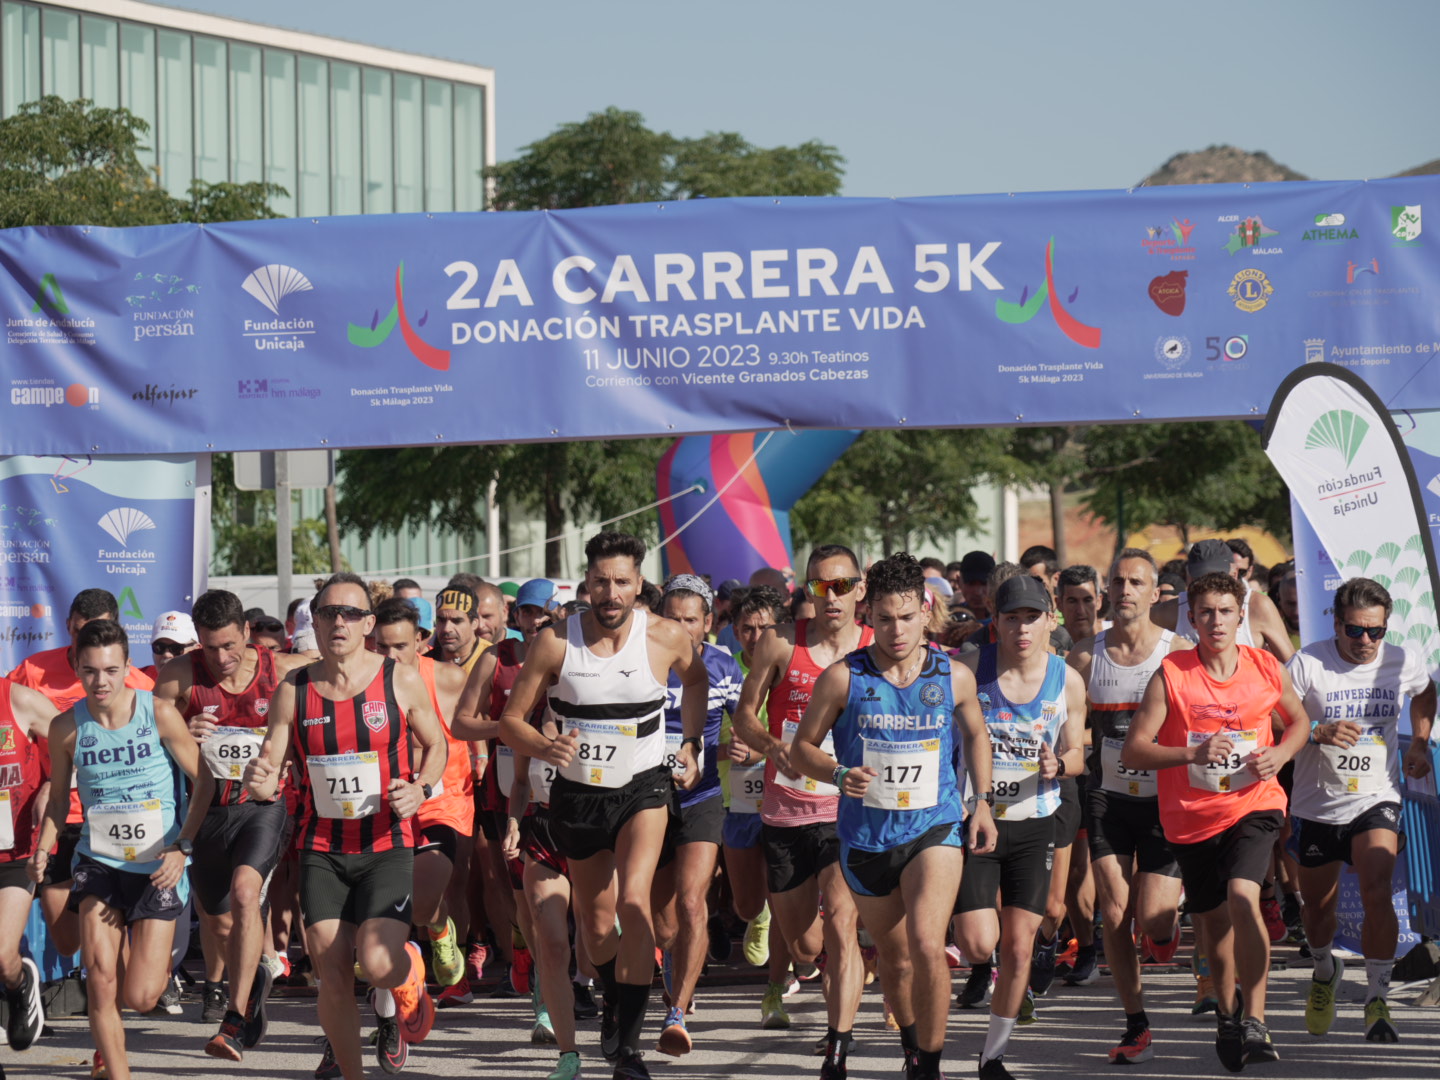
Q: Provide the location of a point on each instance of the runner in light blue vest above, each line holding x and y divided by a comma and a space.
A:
893, 709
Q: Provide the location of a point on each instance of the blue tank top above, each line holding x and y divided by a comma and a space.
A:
723, 697
1016, 732
908, 737
127, 766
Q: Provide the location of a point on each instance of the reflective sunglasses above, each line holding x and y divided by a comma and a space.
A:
332, 612
1374, 633
819, 587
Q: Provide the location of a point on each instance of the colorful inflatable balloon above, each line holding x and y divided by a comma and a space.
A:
748, 526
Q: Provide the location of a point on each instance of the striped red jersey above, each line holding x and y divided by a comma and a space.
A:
249, 708
372, 722
20, 780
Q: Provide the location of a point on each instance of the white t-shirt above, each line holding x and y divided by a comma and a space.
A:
1336, 786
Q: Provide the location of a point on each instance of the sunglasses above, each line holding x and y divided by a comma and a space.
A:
1374, 633
166, 648
332, 612
819, 587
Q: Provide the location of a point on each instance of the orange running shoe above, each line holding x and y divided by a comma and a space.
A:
413, 1005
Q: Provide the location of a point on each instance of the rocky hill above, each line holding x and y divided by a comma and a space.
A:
1220, 165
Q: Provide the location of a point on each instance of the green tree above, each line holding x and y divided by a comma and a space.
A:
242, 525
609, 157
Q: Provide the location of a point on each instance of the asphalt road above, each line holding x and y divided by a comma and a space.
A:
1076, 1026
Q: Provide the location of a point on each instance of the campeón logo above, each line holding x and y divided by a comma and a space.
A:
1339, 430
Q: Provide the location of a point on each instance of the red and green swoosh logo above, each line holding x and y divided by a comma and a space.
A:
368, 337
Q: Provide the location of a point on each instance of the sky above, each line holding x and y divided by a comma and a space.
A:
936, 98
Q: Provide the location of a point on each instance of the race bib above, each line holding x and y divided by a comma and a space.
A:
127, 832
230, 749
673, 741
542, 775
1232, 774
747, 788
807, 784
346, 785
1361, 769
504, 765
1137, 783
907, 774
1017, 788
7, 821
606, 754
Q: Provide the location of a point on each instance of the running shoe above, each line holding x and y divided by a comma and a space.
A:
1230, 1042
773, 1016
674, 1039
756, 943
445, 956
833, 1067
994, 1069
505, 988
954, 958
609, 1027
453, 996
1162, 952
630, 1066
391, 1049
870, 958
792, 985
585, 1007
329, 1068
98, 1071
720, 946
229, 1042
256, 1023
1028, 1013
568, 1067
822, 1048
1042, 965
543, 1033
891, 1024
1134, 1048
806, 972
169, 1003
27, 1014
212, 1003
1274, 921
521, 968
475, 959
1258, 1047
1378, 1028
414, 1008
1320, 1004
972, 994
1086, 969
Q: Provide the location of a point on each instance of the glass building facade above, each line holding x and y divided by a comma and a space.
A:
343, 128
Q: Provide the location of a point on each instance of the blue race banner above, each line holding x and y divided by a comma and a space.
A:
71, 523
715, 315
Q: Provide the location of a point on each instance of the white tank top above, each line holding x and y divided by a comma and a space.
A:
614, 702
1113, 694
1190, 634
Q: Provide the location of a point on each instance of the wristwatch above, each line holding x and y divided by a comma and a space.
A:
692, 739
988, 798
185, 847
426, 790
1060, 767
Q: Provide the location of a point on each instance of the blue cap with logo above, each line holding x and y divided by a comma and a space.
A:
427, 613
537, 592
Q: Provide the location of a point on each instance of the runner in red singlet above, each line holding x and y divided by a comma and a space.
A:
348, 720
802, 850
223, 690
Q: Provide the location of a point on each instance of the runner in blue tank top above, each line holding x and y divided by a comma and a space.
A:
893, 709
1034, 709
129, 871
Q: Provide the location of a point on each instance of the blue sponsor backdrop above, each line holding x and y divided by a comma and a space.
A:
68, 524
713, 315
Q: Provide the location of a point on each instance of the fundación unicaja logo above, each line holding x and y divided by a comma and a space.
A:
1340, 431
123, 522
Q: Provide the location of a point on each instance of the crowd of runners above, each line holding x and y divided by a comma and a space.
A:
884, 773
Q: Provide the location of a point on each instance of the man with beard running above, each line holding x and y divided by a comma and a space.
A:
223, 690
802, 848
904, 722
604, 674
1136, 876
1347, 789
347, 719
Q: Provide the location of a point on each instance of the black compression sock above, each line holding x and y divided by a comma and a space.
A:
929, 1062
606, 971
909, 1037
1137, 1021
632, 1002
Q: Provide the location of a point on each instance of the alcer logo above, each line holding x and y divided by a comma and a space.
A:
378, 332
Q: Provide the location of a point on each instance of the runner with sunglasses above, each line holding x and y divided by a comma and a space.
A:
604, 673
899, 715
223, 690
348, 720
802, 848
1347, 789
1205, 725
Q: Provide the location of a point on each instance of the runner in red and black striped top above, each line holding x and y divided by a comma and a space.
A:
25, 716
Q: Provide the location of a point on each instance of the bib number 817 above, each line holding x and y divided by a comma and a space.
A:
597, 752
